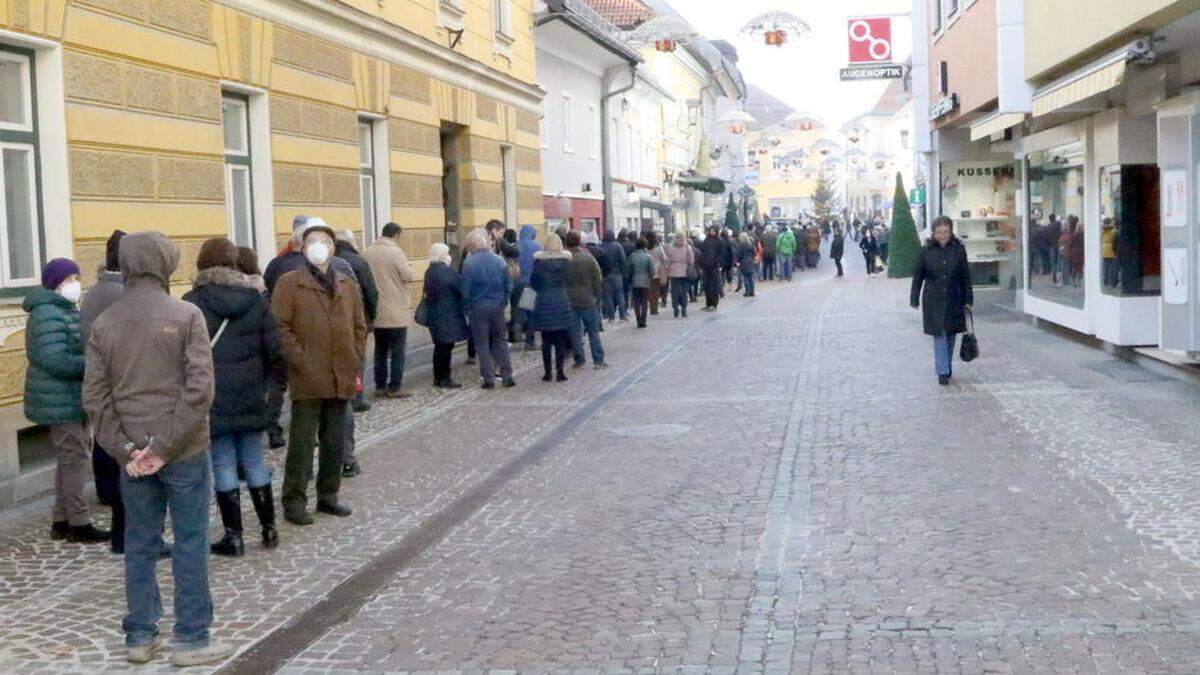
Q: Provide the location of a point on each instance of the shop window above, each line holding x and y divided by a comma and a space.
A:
1130, 242
981, 198
20, 204
1057, 250
239, 178
588, 225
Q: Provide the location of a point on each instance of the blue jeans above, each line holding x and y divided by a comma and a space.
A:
613, 294
748, 281
943, 354
185, 487
587, 321
679, 295
786, 267
240, 447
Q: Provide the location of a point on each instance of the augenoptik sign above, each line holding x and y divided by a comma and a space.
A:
870, 50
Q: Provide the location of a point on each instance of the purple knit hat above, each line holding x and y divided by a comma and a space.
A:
56, 270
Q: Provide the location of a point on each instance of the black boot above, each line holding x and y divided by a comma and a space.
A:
229, 503
264, 506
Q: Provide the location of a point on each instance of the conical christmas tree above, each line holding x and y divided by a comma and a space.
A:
825, 203
731, 215
903, 246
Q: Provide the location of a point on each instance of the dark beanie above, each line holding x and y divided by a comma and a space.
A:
112, 251
56, 270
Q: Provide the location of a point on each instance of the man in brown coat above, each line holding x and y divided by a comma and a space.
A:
323, 332
147, 389
393, 315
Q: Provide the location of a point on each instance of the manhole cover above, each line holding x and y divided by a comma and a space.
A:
652, 430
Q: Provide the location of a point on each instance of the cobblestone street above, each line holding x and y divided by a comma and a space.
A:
781, 486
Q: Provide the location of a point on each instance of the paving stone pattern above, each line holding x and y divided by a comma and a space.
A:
780, 487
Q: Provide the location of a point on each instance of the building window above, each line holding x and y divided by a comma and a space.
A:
568, 123
936, 9
501, 19
508, 169
239, 178
366, 178
20, 203
951, 8
1056, 229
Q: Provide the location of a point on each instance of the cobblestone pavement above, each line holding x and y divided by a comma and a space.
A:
781, 487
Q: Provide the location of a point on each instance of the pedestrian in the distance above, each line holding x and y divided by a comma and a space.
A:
747, 263
53, 394
323, 331
585, 286
614, 277
658, 283
147, 391
770, 248
812, 241
837, 248
393, 274
552, 315
445, 315
679, 261
941, 286
486, 286
870, 250
246, 354
713, 257
642, 269
527, 245
787, 250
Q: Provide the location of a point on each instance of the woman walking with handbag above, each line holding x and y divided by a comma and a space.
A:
941, 285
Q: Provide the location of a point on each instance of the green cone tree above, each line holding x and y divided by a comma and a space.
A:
731, 215
824, 198
903, 247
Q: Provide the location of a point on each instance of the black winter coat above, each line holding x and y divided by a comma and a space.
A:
712, 255
444, 305
552, 311
248, 353
945, 276
745, 257
838, 248
869, 246
366, 280
617, 262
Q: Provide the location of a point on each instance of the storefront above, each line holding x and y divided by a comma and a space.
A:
981, 197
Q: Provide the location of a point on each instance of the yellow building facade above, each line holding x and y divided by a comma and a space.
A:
202, 119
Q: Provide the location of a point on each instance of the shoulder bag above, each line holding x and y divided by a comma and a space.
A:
969, 350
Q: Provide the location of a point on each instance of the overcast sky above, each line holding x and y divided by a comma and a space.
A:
803, 73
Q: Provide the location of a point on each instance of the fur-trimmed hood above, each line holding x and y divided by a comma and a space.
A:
222, 276
547, 255
226, 292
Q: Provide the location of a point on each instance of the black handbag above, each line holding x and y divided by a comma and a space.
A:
969, 351
421, 314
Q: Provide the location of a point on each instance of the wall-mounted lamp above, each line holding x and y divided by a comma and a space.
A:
693, 109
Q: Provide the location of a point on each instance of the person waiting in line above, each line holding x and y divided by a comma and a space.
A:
552, 316
585, 286
246, 354
786, 246
694, 268
658, 283
323, 331
247, 263
393, 274
837, 248
747, 263
679, 260
614, 277
713, 258
642, 271
147, 390
486, 285
527, 245
445, 315
53, 394
941, 287
770, 249
628, 244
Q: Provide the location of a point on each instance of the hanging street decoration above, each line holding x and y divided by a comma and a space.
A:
870, 50
777, 27
666, 33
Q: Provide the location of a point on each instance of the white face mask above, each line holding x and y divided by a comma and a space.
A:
71, 290
317, 253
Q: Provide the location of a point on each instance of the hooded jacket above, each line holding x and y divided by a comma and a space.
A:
553, 308
323, 335
786, 243
527, 245
54, 374
770, 242
615, 253
362, 274
149, 364
247, 354
679, 258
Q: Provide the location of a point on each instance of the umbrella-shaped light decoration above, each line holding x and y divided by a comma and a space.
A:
803, 122
854, 156
880, 159
825, 146
664, 32
776, 27
737, 120
854, 132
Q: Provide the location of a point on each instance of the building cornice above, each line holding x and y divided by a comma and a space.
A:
337, 22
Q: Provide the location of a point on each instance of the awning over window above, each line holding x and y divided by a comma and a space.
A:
1076, 88
702, 183
994, 124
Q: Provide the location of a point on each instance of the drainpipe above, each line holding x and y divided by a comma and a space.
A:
606, 158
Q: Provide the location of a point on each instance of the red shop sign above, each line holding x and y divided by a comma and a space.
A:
870, 39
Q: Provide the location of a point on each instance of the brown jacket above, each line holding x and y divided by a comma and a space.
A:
149, 370
392, 275
323, 338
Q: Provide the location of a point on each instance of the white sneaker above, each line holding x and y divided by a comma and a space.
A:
213, 652
144, 653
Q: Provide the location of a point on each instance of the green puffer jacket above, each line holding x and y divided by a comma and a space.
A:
54, 377
787, 243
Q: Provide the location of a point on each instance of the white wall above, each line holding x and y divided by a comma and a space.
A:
569, 163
